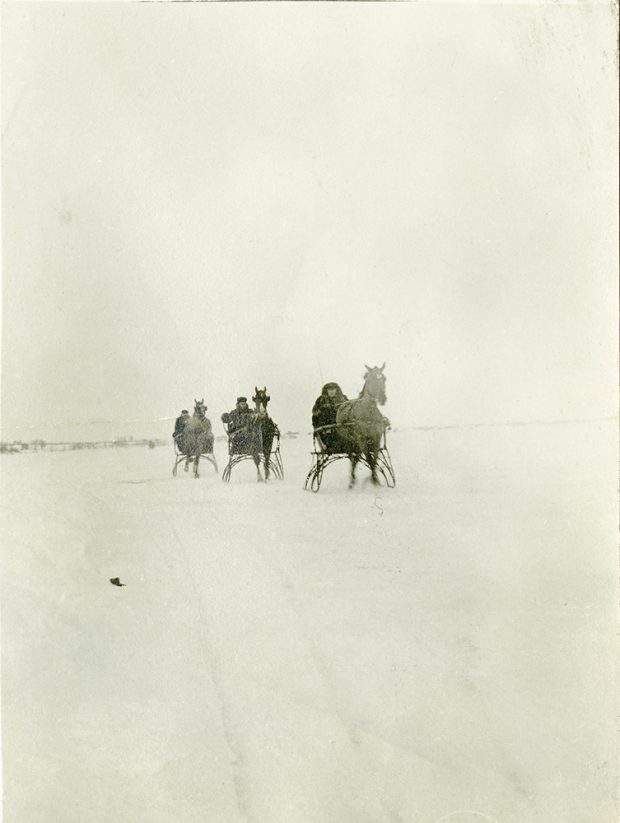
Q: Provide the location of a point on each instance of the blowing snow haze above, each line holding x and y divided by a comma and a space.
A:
198, 199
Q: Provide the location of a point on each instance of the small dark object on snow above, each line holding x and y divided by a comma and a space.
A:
116, 582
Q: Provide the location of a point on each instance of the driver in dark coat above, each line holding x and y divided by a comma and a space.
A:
324, 418
238, 422
179, 427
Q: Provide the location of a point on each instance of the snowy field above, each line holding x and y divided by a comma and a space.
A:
442, 651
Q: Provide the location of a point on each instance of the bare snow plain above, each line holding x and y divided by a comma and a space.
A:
441, 651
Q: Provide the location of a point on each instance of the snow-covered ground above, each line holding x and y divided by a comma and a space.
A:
442, 651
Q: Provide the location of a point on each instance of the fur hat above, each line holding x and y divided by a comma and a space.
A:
242, 400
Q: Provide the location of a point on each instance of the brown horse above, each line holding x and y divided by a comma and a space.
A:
361, 425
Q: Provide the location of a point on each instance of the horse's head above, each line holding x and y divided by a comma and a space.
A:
374, 383
260, 400
199, 408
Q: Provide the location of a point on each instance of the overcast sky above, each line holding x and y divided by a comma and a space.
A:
198, 198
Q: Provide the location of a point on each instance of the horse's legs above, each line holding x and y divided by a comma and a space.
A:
259, 476
354, 460
267, 444
266, 461
371, 456
187, 463
196, 463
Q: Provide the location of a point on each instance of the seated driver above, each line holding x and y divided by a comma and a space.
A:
237, 423
179, 427
324, 418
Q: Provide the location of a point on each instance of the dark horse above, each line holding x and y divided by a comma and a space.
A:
361, 425
254, 439
268, 430
197, 438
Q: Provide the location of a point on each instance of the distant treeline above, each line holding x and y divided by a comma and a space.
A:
17, 446
43, 445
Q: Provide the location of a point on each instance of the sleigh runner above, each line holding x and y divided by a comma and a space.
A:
271, 466
322, 457
181, 457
